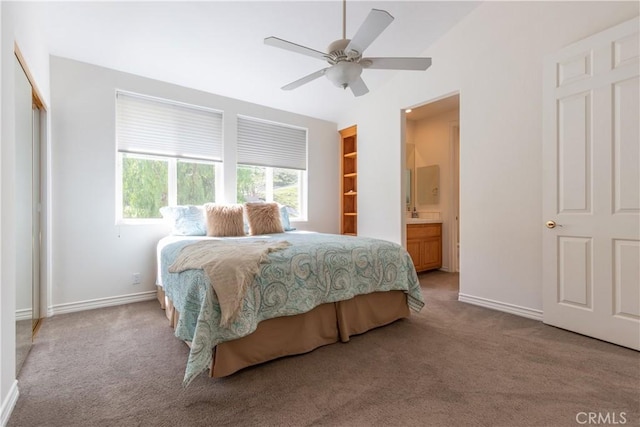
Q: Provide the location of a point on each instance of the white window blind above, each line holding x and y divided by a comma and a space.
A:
152, 126
271, 144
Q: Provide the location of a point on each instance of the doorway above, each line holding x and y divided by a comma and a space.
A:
431, 138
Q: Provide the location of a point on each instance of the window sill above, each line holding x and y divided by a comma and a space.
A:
141, 221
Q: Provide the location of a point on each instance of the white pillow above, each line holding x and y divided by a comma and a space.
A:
185, 220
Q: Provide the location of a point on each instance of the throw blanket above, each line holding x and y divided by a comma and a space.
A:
231, 267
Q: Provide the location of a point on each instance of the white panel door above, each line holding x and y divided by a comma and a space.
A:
591, 188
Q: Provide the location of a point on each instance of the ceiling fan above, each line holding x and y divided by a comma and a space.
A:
345, 55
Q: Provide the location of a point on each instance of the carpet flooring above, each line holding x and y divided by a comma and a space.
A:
452, 364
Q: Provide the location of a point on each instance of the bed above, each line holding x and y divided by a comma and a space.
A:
317, 290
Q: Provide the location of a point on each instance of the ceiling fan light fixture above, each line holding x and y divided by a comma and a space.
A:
344, 73
345, 55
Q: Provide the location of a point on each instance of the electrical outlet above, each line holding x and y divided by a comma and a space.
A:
135, 278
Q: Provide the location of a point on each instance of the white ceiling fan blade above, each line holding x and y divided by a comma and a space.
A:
305, 79
358, 87
371, 28
283, 44
396, 63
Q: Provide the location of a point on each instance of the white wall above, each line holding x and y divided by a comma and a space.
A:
494, 58
18, 26
94, 258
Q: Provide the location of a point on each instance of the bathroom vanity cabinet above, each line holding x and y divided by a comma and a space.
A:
424, 244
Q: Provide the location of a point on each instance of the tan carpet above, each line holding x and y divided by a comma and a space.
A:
451, 365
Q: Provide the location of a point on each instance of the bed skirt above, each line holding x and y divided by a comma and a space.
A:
302, 333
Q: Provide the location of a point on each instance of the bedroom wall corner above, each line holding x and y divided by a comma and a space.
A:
380, 162
496, 65
94, 256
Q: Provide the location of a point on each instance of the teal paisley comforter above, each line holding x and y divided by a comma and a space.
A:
316, 269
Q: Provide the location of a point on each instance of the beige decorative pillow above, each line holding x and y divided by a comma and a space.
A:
264, 218
224, 220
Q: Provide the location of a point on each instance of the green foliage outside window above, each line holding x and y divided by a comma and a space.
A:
196, 183
286, 187
144, 187
251, 183
288, 196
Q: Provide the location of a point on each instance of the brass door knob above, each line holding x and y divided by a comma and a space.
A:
552, 224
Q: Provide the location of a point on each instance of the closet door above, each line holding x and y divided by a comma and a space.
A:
24, 213
36, 211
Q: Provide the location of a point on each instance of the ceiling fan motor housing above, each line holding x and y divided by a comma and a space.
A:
337, 52
345, 55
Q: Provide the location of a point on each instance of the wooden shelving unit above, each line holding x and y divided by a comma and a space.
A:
349, 181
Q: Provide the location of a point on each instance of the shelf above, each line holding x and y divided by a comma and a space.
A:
349, 181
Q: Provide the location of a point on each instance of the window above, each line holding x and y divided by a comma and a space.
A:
196, 182
168, 154
260, 183
145, 186
272, 164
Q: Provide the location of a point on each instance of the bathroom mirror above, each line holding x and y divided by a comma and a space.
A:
407, 186
409, 175
428, 185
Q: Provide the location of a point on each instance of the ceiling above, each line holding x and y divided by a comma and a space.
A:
434, 108
217, 46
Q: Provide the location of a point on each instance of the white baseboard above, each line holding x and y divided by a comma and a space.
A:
9, 403
529, 313
24, 314
100, 303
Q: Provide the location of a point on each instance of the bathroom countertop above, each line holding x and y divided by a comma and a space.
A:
423, 221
